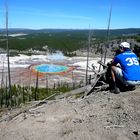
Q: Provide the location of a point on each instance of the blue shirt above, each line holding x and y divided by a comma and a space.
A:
129, 64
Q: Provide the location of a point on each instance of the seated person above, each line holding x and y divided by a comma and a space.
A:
128, 71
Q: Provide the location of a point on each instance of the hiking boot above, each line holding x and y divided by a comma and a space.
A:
131, 88
116, 90
127, 88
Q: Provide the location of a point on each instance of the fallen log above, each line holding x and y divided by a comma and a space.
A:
73, 92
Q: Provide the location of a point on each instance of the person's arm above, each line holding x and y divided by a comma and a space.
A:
115, 61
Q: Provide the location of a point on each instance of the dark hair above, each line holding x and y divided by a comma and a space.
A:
123, 48
117, 52
126, 49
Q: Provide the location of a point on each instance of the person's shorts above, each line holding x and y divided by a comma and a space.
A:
119, 75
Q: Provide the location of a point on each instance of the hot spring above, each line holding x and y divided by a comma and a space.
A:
50, 68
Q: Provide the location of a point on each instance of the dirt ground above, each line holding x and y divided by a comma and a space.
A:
99, 116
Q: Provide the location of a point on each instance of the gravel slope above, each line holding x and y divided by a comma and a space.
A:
100, 116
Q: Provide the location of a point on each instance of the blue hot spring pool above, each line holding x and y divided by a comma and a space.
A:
50, 68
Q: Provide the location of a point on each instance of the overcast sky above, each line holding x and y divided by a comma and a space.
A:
71, 14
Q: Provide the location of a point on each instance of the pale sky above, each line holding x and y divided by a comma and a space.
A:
71, 14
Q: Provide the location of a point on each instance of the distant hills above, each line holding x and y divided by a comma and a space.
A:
65, 40
95, 32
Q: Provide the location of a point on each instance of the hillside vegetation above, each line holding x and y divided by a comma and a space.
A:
64, 40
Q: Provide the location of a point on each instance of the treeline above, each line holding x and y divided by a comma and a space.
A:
19, 95
64, 40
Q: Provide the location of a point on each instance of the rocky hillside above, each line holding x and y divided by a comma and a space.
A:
99, 116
